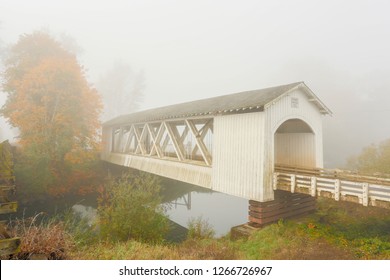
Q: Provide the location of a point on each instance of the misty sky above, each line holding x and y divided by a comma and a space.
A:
197, 49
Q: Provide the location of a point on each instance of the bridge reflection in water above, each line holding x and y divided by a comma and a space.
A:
185, 202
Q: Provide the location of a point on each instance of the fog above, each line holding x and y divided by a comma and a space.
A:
190, 50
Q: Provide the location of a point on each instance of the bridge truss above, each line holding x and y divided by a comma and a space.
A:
185, 140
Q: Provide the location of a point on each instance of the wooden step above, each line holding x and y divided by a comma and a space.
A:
8, 207
242, 231
9, 246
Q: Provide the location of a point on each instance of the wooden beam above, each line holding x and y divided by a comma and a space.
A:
156, 141
199, 142
184, 134
8, 207
174, 136
165, 143
9, 246
203, 132
140, 147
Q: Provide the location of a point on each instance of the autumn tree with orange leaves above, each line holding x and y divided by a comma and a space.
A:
56, 112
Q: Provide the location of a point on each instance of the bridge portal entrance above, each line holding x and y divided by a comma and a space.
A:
295, 144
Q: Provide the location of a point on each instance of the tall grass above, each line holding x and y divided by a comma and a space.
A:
335, 231
199, 228
42, 236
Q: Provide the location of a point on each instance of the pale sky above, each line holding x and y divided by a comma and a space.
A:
198, 49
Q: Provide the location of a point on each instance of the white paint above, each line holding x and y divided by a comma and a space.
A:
191, 173
245, 148
279, 111
238, 155
297, 149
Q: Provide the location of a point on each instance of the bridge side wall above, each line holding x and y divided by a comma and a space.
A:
238, 156
282, 110
193, 174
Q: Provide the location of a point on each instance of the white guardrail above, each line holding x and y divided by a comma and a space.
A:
365, 190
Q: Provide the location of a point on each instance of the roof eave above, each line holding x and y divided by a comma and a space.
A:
323, 108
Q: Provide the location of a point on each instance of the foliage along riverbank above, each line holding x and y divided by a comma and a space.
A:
334, 231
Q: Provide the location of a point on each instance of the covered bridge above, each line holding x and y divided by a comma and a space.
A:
228, 143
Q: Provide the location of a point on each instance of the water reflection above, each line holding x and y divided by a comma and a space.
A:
183, 203
221, 211
87, 213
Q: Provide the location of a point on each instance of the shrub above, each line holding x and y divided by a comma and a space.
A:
45, 238
200, 229
129, 208
80, 228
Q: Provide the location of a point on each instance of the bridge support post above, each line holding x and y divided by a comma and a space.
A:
313, 187
293, 182
285, 205
337, 190
365, 194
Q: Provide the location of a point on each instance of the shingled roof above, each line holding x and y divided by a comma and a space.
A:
236, 102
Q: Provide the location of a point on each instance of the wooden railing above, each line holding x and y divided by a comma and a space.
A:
8, 245
340, 185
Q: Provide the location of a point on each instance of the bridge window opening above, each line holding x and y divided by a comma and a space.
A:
147, 142
188, 143
166, 145
125, 136
198, 142
116, 139
180, 140
154, 127
138, 132
294, 144
132, 144
208, 140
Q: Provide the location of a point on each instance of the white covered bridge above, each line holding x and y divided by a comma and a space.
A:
233, 144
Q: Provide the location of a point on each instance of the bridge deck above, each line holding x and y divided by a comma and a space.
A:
365, 190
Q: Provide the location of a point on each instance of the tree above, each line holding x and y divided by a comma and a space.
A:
121, 89
54, 108
373, 159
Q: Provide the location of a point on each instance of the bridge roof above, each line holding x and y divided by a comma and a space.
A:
225, 104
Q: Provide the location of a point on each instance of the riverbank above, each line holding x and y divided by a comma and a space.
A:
334, 231
337, 230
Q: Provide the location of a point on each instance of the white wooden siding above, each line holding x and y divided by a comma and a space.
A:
190, 173
238, 155
245, 148
296, 149
282, 110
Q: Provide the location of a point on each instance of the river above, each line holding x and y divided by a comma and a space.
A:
182, 202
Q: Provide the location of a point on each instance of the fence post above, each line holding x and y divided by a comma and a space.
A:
275, 181
313, 189
365, 194
292, 182
337, 190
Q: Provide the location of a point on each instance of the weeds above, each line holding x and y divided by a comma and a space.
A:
333, 232
46, 238
81, 230
198, 228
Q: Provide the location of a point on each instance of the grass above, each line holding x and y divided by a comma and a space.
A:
46, 238
337, 230
134, 250
289, 240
